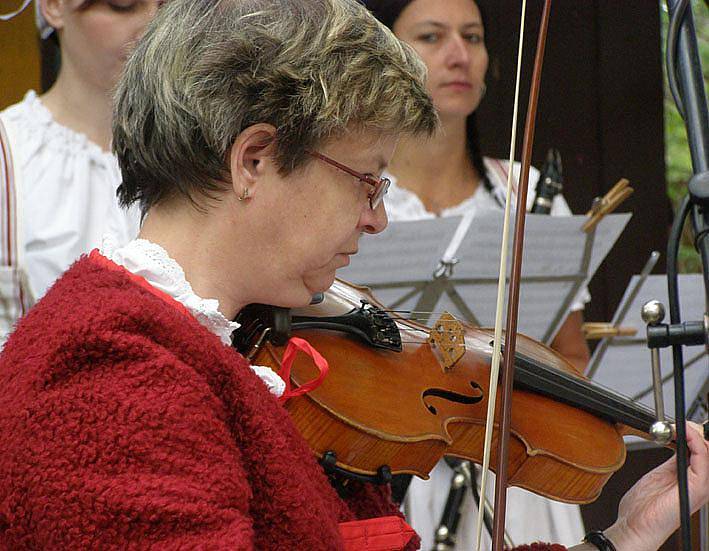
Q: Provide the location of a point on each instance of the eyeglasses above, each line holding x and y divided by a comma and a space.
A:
379, 185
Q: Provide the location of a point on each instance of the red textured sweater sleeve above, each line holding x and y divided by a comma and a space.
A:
127, 454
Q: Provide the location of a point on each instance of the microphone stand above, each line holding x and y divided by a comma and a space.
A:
686, 82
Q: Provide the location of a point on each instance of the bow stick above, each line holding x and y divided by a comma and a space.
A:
514, 286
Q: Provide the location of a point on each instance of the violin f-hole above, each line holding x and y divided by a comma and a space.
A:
452, 396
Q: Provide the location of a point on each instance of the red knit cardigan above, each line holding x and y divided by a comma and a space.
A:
126, 424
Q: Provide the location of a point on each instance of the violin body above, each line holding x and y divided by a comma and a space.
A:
403, 410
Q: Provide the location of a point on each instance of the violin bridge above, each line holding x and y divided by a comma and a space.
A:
448, 337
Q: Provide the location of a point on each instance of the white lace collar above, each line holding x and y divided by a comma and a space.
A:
151, 262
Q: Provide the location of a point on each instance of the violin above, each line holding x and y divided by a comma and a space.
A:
399, 396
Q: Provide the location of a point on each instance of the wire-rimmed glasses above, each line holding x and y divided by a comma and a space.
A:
379, 185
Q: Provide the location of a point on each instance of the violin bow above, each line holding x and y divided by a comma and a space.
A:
514, 287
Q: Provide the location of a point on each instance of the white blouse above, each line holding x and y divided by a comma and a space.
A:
151, 262
67, 193
402, 204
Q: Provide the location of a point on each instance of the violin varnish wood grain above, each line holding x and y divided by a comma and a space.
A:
405, 410
359, 451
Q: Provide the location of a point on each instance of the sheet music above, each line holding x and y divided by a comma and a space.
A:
625, 365
552, 264
553, 245
405, 254
398, 265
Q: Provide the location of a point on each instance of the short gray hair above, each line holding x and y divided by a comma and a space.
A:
208, 69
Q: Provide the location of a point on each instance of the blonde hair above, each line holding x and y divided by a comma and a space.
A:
207, 69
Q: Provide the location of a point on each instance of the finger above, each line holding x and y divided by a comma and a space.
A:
687, 424
698, 447
699, 456
701, 431
695, 426
698, 451
698, 468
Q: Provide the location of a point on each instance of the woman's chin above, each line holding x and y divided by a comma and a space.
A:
454, 108
319, 282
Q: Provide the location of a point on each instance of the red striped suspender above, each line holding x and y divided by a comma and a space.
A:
8, 217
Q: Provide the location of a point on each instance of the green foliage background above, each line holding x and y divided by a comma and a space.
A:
677, 159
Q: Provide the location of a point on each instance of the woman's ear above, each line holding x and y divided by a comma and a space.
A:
251, 151
53, 11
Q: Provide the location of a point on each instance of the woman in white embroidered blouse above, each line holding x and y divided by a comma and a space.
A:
446, 175
65, 176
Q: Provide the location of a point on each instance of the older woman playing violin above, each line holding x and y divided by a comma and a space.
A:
127, 419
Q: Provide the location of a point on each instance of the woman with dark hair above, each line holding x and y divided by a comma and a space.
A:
446, 175
65, 177
388, 12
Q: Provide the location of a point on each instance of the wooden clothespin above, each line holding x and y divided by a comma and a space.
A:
594, 331
607, 204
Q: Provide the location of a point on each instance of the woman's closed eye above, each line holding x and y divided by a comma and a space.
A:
122, 6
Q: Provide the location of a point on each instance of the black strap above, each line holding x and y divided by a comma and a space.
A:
599, 539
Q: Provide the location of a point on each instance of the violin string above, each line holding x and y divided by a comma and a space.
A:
443, 331
420, 319
428, 330
418, 313
440, 312
417, 330
382, 314
458, 345
423, 317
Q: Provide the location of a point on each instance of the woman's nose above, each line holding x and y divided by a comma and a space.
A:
457, 52
374, 220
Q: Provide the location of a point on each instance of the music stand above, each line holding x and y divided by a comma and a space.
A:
412, 267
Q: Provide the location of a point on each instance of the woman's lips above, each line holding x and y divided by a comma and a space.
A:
458, 85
